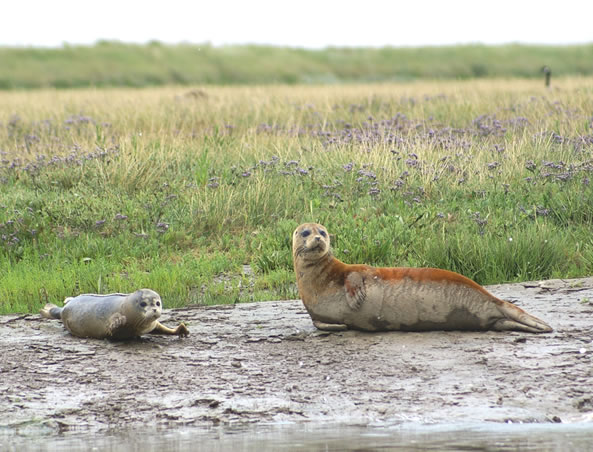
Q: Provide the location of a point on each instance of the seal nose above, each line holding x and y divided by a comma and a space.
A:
317, 238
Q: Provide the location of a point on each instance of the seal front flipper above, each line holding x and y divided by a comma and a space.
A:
116, 321
180, 331
356, 292
329, 326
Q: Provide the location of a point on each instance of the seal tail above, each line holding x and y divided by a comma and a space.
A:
51, 311
517, 319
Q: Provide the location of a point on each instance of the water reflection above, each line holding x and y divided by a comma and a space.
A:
326, 437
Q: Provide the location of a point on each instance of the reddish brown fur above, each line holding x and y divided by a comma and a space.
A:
337, 269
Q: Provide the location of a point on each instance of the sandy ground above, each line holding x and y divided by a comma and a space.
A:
266, 363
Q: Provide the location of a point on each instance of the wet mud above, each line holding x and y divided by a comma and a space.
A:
265, 363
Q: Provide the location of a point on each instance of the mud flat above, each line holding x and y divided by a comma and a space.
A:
265, 364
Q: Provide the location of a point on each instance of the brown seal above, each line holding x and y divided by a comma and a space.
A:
340, 296
114, 316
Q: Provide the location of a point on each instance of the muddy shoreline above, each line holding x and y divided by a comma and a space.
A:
266, 363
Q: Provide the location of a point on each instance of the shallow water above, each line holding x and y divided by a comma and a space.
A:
326, 437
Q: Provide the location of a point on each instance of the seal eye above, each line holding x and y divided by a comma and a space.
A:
143, 304
305, 233
323, 234
158, 303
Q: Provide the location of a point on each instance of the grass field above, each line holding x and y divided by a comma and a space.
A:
119, 64
194, 192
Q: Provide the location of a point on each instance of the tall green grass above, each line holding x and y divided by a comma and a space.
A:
194, 192
129, 65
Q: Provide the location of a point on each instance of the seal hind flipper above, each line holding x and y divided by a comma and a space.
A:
51, 311
355, 290
512, 325
518, 319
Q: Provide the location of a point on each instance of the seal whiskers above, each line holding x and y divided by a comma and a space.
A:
339, 295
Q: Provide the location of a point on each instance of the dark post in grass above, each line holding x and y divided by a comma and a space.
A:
548, 74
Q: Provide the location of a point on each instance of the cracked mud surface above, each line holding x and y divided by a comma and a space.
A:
266, 363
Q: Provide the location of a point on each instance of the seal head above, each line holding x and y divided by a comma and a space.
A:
143, 309
310, 243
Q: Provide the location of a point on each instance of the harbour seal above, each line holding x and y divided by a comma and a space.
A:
339, 296
113, 316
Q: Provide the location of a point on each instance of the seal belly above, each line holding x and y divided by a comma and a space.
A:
411, 305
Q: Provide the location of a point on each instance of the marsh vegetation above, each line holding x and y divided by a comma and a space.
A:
118, 64
194, 192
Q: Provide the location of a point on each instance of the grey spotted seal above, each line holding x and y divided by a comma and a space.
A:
114, 316
339, 296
